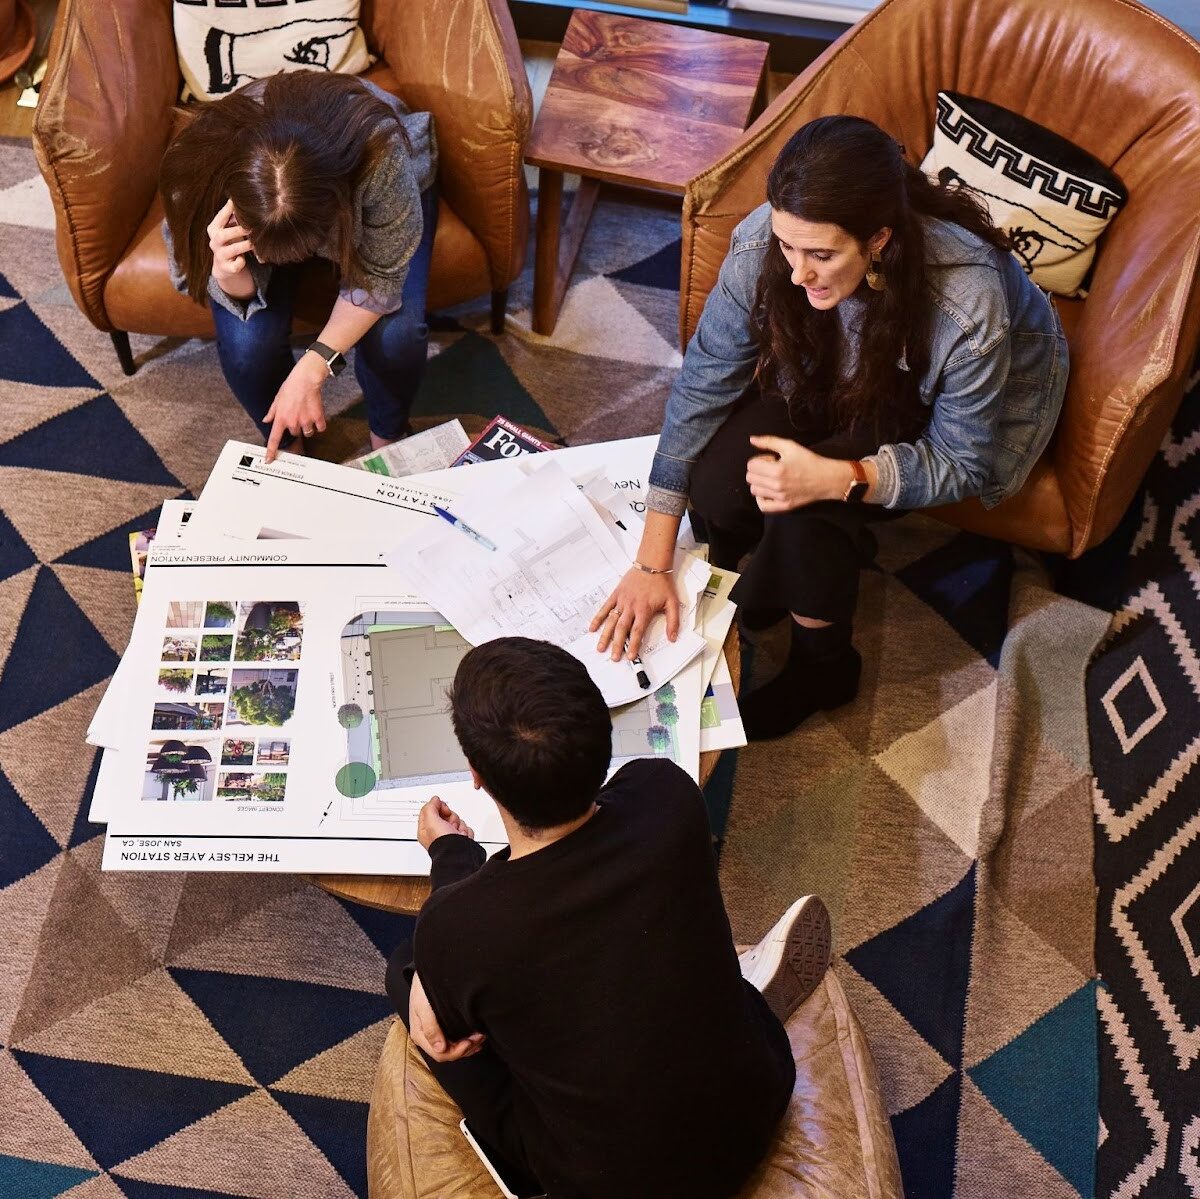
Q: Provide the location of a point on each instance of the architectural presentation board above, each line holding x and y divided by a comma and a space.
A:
305, 497
261, 733
282, 701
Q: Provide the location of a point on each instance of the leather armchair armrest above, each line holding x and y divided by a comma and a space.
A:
460, 60
1130, 353
102, 124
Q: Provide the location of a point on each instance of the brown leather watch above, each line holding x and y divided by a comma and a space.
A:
858, 487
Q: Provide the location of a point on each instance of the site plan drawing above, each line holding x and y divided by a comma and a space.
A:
394, 710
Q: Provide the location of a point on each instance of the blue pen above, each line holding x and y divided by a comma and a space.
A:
466, 528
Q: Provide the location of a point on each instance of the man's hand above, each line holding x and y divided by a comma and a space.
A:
298, 408
426, 1033
230, 244
790, 475
439, 820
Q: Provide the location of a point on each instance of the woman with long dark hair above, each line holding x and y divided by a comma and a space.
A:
298, 166
870, 347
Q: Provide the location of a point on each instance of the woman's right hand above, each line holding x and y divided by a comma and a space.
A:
623, 618
230, 244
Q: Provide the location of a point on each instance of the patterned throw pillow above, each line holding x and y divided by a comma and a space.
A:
1052, 198
223, 45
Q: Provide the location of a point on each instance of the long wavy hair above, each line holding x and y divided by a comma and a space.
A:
289, 157
846, 171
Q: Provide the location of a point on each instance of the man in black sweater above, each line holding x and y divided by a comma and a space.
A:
578, 995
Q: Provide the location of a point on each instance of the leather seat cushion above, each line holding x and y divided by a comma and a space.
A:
835, 1139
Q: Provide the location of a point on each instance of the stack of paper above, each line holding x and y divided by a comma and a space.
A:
281, 703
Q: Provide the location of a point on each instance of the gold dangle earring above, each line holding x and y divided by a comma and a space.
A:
875, 277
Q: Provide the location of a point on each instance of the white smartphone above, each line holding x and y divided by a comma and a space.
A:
504, 1185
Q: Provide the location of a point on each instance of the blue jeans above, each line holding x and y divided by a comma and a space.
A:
256, 354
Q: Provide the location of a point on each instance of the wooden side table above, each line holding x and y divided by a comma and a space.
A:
406, 894
642, 103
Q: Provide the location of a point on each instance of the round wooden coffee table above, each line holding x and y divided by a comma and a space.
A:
406, 893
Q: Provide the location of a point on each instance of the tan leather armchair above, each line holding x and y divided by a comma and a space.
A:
834, 1140
107, 112
1112, 77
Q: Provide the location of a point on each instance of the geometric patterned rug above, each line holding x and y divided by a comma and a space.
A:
187, 1036
946, 818
1144, 710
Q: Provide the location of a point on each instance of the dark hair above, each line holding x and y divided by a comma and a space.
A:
289, 157
535, 727
848, 172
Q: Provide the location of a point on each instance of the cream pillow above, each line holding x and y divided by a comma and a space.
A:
1052, 198
221, 46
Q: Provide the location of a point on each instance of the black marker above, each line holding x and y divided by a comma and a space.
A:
642, 677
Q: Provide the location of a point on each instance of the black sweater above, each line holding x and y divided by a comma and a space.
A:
602, 970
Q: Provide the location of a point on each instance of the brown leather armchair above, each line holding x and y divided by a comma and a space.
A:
834, 1140
107, 112
1116, 79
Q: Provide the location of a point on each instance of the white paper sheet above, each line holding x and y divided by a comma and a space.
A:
305, 497
720, 720
663, 724
716, 613
554, 563
171, 525
308, 498
430, 450
174, 519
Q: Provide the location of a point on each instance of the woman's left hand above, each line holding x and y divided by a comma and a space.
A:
790, 475
298, 408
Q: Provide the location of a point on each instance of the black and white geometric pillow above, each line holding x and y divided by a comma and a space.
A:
1052, 198
223, 45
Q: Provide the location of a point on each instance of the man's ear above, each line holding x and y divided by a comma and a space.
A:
475, 777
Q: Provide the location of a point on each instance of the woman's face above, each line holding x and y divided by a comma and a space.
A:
825, 260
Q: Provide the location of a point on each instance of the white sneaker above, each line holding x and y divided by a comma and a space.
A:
789, 962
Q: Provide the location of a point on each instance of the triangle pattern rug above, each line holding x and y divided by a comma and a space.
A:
886, 808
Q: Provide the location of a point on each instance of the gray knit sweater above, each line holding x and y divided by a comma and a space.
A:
387, 220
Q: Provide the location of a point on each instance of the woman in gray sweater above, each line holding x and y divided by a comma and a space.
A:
298, 166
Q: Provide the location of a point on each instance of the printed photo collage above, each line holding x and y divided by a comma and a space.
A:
226, 693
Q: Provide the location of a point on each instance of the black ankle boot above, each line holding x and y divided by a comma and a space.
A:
821, 672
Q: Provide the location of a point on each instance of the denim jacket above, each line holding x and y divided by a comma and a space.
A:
995, 384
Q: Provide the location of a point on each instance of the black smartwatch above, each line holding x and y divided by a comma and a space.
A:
335, 361
856, 492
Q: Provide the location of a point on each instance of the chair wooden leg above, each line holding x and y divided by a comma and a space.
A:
499, 308
121, 344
